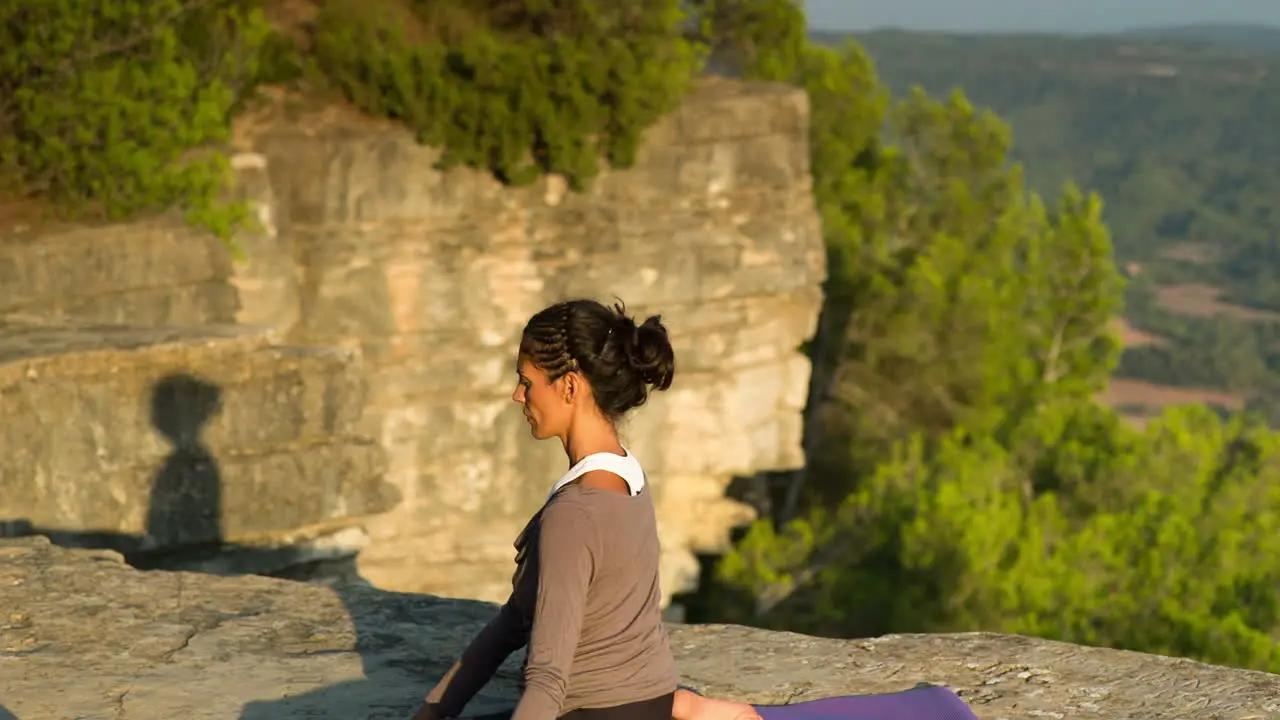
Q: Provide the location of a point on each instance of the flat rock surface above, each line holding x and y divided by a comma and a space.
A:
84, 636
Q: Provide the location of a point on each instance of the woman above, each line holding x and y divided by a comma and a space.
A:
585, 596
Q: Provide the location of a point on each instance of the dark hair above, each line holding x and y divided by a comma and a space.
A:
620, 359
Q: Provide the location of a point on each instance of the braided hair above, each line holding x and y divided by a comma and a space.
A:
620, 359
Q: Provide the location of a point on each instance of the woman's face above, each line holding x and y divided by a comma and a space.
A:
547, 408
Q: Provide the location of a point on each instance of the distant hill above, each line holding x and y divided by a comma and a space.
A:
1245, 37
1181, 139
1179, 130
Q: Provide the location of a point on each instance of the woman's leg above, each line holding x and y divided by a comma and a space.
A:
692, 706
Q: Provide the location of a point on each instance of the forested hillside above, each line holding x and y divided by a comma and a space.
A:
1179, 138
1227, 36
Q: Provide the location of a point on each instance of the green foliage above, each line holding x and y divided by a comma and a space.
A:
1160, 541
119, 107
1170, 133
847, 108
1221, 353
759, 39
961, 475
954, 298
110, 108
534, 87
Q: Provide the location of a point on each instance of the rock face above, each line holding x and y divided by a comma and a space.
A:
427, 278
144, 439
85, 636
432, 275
148, 273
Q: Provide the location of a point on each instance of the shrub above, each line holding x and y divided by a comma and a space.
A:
521, 88
118, 107
111, 108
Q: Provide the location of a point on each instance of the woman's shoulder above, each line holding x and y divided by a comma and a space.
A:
595, 502
571, 517
571, 502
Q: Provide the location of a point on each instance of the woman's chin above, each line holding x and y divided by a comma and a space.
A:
533, 430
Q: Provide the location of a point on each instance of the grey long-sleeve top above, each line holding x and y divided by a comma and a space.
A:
586, 601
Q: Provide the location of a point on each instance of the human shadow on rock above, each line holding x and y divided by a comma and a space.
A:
185, 507
186, 493
185, 498
183, 520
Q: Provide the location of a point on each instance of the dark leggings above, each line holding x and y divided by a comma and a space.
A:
658, 708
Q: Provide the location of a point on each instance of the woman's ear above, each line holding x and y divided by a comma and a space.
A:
570, 389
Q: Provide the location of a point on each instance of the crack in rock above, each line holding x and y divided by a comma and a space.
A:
186, 640
118, 701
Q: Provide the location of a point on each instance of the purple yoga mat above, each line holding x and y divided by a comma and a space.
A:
924, 703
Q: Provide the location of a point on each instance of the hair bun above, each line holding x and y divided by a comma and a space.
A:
649, 350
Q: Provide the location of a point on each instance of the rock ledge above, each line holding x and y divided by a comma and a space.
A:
83, 635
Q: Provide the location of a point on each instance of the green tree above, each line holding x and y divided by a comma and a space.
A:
1169, 133
112, 108
109, 108
519, 88
1158, 541
760, 39
960, 301
847, 109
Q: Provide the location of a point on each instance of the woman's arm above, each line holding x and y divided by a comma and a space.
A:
503, 635
568, 544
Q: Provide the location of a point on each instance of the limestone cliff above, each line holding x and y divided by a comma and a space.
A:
425, 278
432, 276
85, 636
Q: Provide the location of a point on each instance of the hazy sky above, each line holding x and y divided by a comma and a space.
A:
1035, 15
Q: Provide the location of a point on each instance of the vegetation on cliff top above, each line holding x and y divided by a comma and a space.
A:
117, 107
107, 107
